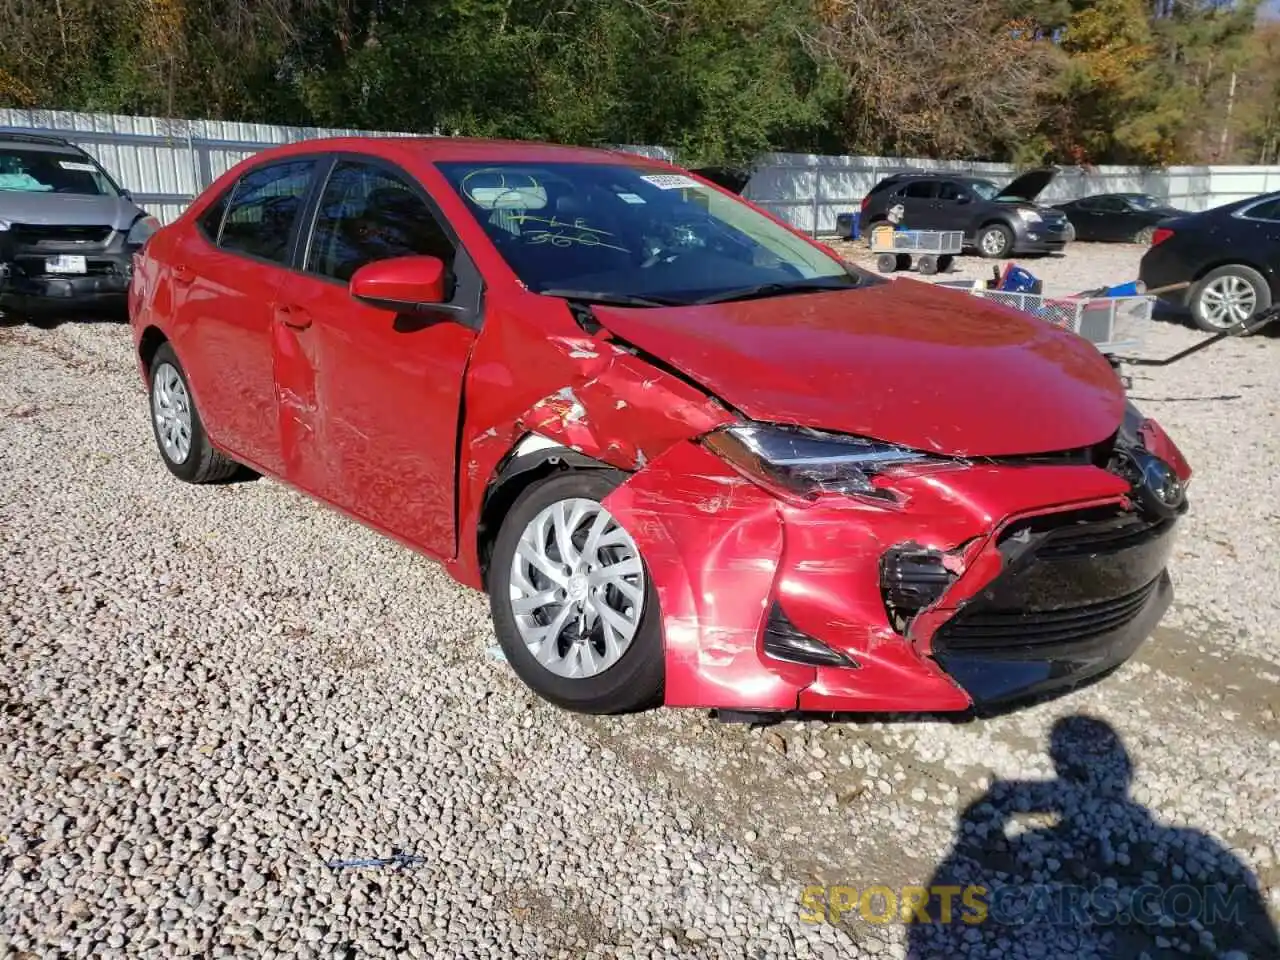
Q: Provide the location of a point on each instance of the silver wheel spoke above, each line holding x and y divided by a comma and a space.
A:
576, 624
171, 410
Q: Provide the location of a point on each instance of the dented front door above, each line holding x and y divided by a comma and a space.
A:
369, 399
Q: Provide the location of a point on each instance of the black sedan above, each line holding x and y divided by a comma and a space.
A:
1229, 255
1122, 217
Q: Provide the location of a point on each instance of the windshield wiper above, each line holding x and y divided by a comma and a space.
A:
611, 299
761, 290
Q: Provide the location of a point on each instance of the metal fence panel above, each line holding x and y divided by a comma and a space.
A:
167, 162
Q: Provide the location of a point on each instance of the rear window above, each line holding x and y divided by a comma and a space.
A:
44, 171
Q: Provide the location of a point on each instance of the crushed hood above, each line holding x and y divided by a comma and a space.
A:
902, 361
67, 209
1028, 186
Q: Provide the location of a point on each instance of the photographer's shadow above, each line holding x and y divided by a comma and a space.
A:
1074, 866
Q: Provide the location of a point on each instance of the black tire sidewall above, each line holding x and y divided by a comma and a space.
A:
188, 469
1004, 232
1260, 288
635, 681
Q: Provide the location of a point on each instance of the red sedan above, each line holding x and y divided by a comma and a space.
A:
690, 454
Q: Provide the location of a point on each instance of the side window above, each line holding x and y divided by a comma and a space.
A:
263, 208
921, 190
368, 213
1089, 204
210, 222
950, 190
1112, 205
1268, 210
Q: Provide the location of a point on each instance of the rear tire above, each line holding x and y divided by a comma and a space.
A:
995, 241
1221, 296
180, 437
600, 670
927, 264
1145, 236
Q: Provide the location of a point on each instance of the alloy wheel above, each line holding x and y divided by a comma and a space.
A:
993, 243
171, 407
1227, 301
577, 588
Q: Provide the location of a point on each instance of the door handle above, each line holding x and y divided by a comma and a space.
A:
183, 274
293, 316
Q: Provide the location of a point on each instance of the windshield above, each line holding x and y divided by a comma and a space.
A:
43, 171
984, 189
634, 231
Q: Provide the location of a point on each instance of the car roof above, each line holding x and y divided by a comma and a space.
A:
30, 141
445, 149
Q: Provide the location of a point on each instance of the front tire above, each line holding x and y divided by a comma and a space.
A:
184, 446
995, 241
1227, 297
574, 608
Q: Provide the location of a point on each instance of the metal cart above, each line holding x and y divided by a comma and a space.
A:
933, 250
1096, 318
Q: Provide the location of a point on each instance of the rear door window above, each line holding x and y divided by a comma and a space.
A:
921, 190
950, 190
1268, 210
264, 209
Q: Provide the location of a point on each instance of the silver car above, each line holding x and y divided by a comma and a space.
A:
68, 232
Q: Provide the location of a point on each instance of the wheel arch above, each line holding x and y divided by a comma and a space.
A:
149, 343
1271, 276
534, 458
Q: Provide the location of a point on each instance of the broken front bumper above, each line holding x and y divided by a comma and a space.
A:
27, 286
1025, 579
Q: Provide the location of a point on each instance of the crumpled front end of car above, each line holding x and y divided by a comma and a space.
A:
941, 585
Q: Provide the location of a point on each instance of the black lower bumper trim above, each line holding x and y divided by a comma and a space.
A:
1025, 672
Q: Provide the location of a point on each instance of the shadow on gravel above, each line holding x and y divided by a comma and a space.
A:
1076, 867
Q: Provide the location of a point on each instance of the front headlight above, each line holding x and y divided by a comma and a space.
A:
807, 463
1027, 216
142, 230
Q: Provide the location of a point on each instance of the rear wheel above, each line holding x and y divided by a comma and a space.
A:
995, 241
1228, 296
175, 422
927, 264
1145, 236
886, 262
573, 606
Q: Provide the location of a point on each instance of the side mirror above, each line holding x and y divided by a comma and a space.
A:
964, 198
400, 283
127, 194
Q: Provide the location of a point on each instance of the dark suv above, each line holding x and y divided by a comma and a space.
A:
67, 231
996, 222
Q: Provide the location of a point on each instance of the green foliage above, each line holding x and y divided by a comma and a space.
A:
1134, 81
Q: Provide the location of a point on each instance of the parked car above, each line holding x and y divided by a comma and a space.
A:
687, 451
67, 231
996, 222
1120, 217
1229, 255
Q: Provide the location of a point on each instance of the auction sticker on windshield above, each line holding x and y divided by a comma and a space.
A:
670, 181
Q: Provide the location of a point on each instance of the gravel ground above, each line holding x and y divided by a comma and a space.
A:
210, 693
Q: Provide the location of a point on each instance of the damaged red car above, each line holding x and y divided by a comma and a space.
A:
691, 455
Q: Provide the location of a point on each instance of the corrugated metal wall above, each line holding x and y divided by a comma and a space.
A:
167, 162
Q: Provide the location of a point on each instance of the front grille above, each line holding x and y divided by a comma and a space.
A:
35, 267
1002, 630
41, 237
1088, 532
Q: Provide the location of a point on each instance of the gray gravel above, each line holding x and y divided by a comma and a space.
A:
208, 694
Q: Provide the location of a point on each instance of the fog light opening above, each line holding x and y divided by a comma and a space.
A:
912, 578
